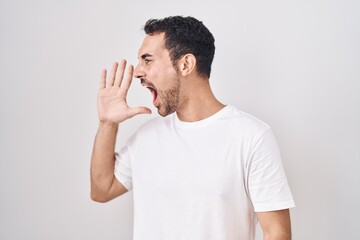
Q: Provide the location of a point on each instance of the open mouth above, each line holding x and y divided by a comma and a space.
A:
152, 90
154, 93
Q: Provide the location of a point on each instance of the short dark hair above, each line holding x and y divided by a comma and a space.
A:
185, 35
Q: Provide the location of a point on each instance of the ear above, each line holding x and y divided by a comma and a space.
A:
187, 64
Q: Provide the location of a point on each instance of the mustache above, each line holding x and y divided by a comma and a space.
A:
147, 83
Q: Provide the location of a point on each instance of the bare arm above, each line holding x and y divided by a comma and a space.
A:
275, 224
112, 109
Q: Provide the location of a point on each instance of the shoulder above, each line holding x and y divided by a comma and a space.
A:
243, 121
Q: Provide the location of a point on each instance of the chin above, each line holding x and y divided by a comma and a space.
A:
165, 112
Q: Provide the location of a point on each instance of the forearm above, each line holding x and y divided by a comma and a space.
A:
277, 235
275, 225
102, 161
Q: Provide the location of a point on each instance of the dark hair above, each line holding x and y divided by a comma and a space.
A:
185, 35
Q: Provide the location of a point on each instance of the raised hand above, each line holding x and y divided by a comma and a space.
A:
112, 105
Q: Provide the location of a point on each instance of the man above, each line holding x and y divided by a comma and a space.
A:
201, 171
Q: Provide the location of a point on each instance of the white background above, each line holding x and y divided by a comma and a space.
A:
293, 64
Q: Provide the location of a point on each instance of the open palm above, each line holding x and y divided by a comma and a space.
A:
112, 105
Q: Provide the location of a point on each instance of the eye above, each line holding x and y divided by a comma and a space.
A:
147, 61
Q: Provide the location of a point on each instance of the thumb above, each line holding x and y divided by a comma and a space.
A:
138, 110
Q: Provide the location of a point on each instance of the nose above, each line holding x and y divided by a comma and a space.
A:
139, 72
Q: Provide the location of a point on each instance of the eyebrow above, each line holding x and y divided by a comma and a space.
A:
145, 55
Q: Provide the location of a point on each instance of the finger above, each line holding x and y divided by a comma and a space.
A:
138, 110
127, 82
103, 79
111, 79
120, 73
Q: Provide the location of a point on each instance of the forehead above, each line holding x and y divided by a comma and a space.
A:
152, 44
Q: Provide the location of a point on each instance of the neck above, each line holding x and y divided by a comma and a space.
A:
198, 101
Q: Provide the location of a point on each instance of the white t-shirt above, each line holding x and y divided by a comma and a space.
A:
202, 180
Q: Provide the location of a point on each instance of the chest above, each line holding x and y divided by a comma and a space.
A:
196, 164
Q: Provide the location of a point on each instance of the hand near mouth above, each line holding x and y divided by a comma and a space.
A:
112, 105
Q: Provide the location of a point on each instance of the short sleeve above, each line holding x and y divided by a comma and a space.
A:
122, 170
267, 182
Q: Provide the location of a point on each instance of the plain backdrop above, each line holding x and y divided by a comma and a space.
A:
293, 64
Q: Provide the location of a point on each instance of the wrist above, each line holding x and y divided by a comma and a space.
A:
108, 125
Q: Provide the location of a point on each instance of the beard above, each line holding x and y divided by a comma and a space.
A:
169, 99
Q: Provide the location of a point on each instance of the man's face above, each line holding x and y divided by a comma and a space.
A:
157, 73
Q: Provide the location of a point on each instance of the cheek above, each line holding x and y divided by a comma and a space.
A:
155, 72
162, 76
